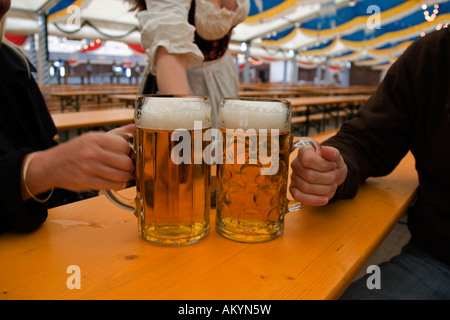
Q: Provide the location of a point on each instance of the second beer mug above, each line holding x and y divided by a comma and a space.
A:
172, 203
252, 178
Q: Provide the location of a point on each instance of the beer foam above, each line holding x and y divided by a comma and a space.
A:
254, 114
173, 113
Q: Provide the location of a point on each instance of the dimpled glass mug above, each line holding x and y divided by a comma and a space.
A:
172, 201
252, 177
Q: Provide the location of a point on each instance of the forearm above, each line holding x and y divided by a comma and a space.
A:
36, 175
171, 72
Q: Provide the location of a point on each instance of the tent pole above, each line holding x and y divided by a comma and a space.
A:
247, 64
284, 72
318, 75
327, 80
43, 59
33, 53
294, 76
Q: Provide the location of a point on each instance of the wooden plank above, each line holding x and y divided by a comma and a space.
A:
94, 118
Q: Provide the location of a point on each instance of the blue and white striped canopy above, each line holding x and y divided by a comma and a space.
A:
369, 32
366, 32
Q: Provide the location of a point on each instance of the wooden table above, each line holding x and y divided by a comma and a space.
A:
299, 102
95, 118
269, 94
321, 251
129, 99
70, 96
71, 124
310, 89
303, 108
279, 86
345, 91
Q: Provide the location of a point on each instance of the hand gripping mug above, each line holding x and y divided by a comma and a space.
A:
252, 177
172, 201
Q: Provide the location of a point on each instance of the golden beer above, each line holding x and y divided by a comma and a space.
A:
250, 205
175, 198
172, 200
252, 178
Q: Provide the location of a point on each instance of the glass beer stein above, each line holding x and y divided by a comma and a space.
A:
172, 201
253, 175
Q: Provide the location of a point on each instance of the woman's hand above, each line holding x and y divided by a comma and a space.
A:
92, 161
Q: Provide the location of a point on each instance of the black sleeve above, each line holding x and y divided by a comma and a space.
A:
374, 142
17, 215
25, 126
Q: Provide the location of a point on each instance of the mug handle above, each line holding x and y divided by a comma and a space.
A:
112, 195
304, 142
121, 201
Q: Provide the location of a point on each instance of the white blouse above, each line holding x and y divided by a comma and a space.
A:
165, 23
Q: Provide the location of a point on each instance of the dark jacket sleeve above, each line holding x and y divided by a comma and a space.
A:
25, 126
17, 215
374, 142
409, 111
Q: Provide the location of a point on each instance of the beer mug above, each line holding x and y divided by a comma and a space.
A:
172, 201
253, 175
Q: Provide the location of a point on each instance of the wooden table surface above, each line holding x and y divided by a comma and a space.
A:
309, 89
88, 89
269, 94
320, 252
317, 108
93, 92
323, 100
129, 99
70, 95
94, 118
289, 95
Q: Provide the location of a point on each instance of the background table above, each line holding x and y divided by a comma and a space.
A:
128, 99
72, 97
317, 257
318, 109
89, 119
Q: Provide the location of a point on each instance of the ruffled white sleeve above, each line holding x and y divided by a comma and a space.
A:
165, 23
214, 24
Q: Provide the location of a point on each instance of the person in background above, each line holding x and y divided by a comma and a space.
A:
187, 46
410, 111
35, 172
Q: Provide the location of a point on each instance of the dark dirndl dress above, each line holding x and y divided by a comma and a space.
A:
211, 49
